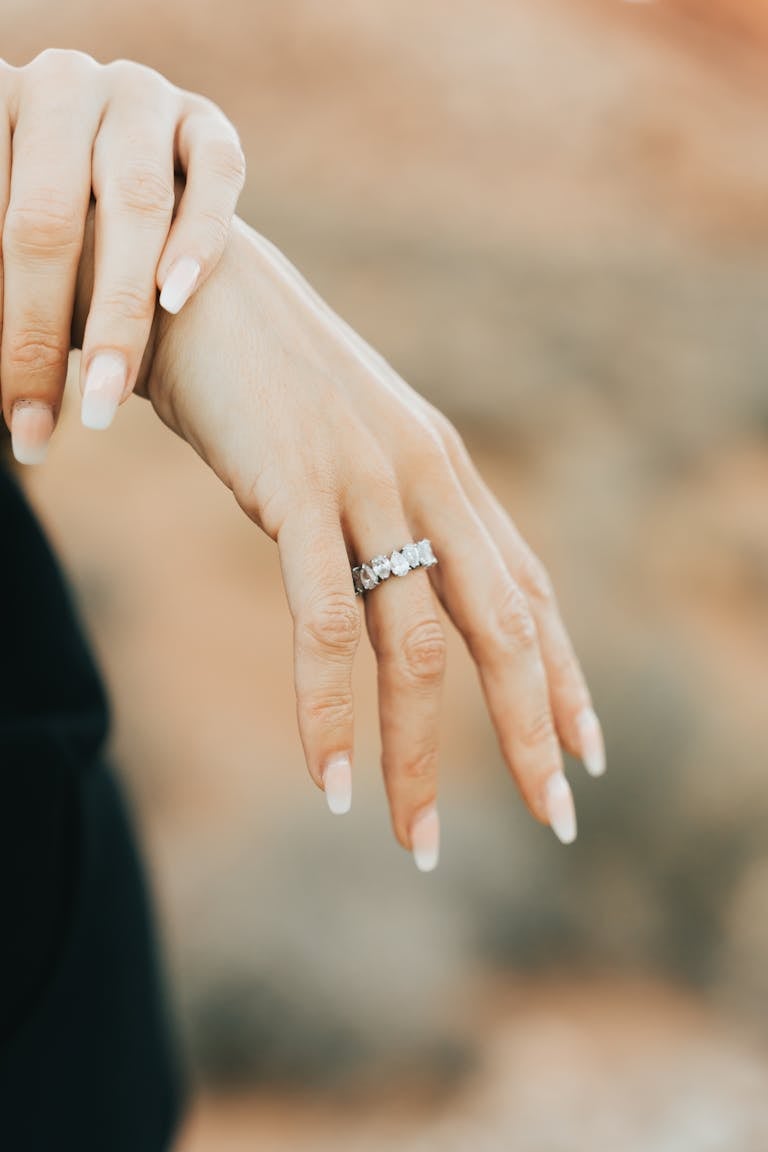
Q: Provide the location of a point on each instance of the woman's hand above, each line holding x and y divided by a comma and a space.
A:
338, 460
70, 127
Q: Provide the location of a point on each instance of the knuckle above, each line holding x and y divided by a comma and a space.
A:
565, 675
215, 228
536, 580
43, 225
561, 665
129, 302
327, 710
379, 478
450, 438
332, 624
226, 161
58, 59
514, 627
444, 432
128, 73
421, 768
538, 731
36, 351
424, 449
423, 653
145, 191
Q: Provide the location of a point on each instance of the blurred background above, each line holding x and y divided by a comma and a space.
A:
552, 217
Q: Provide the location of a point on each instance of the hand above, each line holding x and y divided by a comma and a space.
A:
69, 126
334, 456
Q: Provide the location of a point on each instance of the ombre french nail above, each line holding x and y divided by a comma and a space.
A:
103, 391
561, 812
31, 430
337, 782
179, 284
425, 840
591, 742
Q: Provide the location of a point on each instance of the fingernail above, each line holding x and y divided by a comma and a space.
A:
104, 387
560, 810
425, 840
31, 430
591, 742
337, 782
179, 285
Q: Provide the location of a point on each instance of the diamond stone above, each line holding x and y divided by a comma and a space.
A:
399, 564
368, 577
381, 566
357, 582
426, 555
411, 553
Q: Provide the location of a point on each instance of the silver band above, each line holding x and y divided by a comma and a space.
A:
399, 563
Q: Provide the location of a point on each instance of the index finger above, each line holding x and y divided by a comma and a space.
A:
213, 164
134, 187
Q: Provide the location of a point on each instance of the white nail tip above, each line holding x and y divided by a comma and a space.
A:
337, 782
26, 454
179, 285
31, 430
425, 840
561, 812
103, 391
591, 742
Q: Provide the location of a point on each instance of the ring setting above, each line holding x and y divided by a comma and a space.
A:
418, 554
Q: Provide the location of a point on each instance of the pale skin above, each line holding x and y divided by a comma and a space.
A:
335, 457
71, 129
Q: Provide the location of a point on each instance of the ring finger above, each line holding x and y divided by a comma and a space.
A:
407, 637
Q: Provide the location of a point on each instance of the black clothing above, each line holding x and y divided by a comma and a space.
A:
86, 1059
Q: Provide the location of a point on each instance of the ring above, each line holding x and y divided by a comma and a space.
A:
398, 563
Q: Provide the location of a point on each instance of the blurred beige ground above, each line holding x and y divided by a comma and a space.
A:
552, 216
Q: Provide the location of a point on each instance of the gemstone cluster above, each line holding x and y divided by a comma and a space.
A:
398, 563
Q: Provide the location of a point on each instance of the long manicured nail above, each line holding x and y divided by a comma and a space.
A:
425, 840
104, 387
560, 809
591, 742
337, 782
179, 284
31, 430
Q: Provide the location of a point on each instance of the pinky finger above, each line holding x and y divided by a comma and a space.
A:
575, 718
212, 160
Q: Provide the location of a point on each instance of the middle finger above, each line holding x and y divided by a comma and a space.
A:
133, 181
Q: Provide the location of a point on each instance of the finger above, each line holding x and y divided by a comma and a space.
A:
134, 189
575, 718
327, 626
212, 160
492, 613
5, 187
42, 240
407, 637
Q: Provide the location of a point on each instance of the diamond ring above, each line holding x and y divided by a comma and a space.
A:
398, 563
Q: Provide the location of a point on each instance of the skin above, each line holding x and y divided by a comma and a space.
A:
69, 129
323, 445
334, 456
